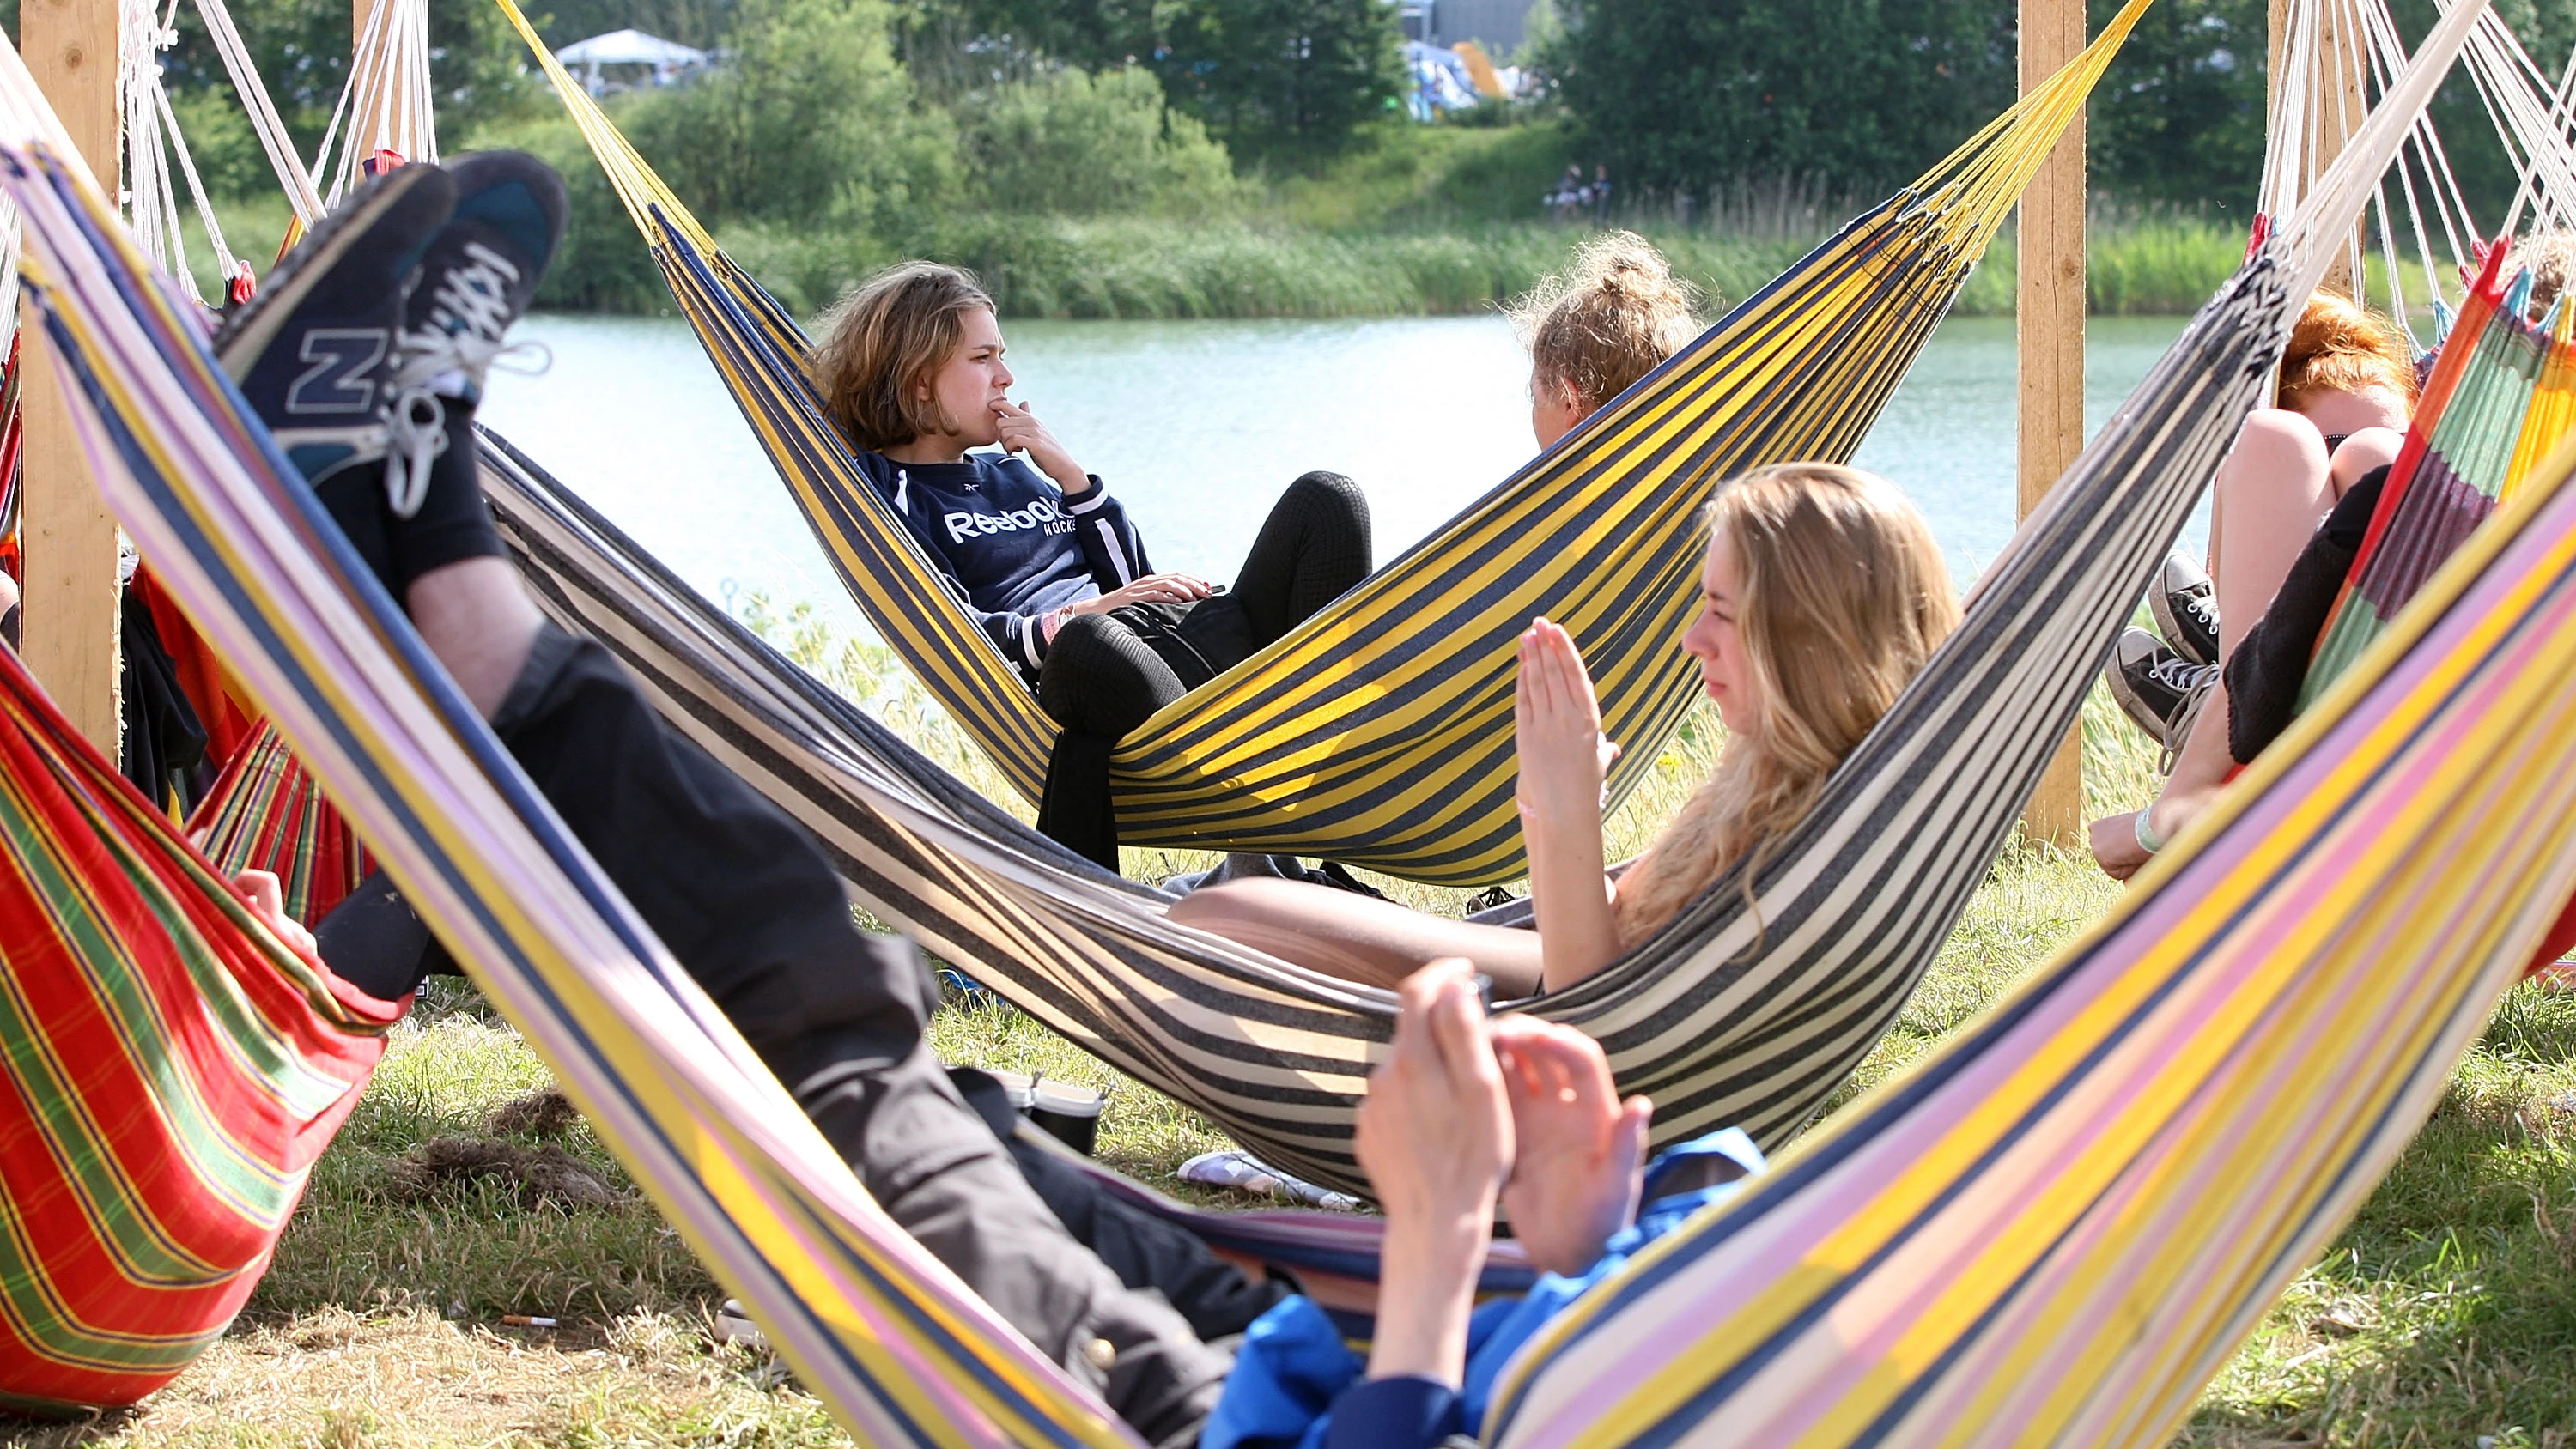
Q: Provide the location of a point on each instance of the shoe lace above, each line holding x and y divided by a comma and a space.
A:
469, 316
2195, 695
2181, 675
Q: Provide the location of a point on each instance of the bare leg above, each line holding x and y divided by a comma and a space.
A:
477, 618
1376, 942
2271, 494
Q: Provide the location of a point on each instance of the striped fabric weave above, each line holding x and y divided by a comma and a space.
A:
168, 1073
2050, 1232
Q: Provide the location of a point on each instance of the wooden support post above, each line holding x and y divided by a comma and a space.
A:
2050, 333
69, 616
366, 119
2337, 103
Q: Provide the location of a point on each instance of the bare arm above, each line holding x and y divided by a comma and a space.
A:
1563, 762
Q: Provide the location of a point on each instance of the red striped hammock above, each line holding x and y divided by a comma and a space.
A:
168, 1073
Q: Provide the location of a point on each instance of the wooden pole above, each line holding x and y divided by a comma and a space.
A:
366, 118
68, 618
2337, 103
2050, 333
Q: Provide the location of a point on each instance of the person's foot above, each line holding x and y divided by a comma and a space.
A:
312, 353
2160, 689
477, 278
479, 275
2186, 610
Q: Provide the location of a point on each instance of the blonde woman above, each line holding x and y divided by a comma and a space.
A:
1822, 595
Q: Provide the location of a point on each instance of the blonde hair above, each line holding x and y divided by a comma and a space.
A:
1844, 595
884, 342
2341, 346
2551, 255
1608, 322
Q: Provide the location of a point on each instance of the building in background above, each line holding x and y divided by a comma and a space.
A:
1497, 26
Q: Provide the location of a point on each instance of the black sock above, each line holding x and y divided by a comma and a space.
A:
454, 522
355, 498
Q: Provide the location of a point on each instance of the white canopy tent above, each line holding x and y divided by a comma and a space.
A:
667, 59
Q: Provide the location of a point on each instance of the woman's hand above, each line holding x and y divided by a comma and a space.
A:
1578, 1152
1564, 767
1021, 432
267, 901
1435, 1137
1556, 722
1151, 589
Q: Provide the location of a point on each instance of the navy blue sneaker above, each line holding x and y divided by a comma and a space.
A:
477, 278
313, 352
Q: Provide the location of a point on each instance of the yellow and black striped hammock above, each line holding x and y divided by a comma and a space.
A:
2052, 1231
1379, 732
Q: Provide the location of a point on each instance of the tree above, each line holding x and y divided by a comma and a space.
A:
1280, 80
810, 119
2178, 118
1275, 80
1864, 94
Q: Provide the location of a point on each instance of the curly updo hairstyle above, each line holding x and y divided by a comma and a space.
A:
1608, 321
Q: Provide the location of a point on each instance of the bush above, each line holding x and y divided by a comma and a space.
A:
223, 146
811, 119
1076, 144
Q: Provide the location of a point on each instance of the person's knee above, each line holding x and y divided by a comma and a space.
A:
2276, 452
2370, 448
1085, 648
1332, 496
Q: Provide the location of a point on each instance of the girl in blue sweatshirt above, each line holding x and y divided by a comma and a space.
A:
911, 371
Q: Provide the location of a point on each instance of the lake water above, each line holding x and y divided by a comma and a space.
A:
1197, 425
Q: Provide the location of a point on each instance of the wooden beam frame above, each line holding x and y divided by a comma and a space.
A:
2049, 328
68, 619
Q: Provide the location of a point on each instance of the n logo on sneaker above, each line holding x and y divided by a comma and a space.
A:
341, 378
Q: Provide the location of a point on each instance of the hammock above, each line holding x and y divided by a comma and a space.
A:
266, 813
170, 1074
2495, 404
1737, 1014
1378, 733
2051, 1231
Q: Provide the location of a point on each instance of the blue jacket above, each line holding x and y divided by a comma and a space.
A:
1010, 547
1295, 1386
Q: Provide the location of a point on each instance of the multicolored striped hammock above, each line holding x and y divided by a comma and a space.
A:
266, 813
1378, 733
168, 1073
2046, 1234
2051, 1231
2500, 399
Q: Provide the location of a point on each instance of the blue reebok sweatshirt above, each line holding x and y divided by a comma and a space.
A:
1012, 549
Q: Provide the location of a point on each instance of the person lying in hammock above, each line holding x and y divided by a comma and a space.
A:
2287, 512
1821, 598
749, 905
911, 371
1594, 330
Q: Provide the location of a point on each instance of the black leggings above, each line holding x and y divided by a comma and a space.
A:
1107, 673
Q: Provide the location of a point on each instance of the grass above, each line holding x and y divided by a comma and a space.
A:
2444, 1315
